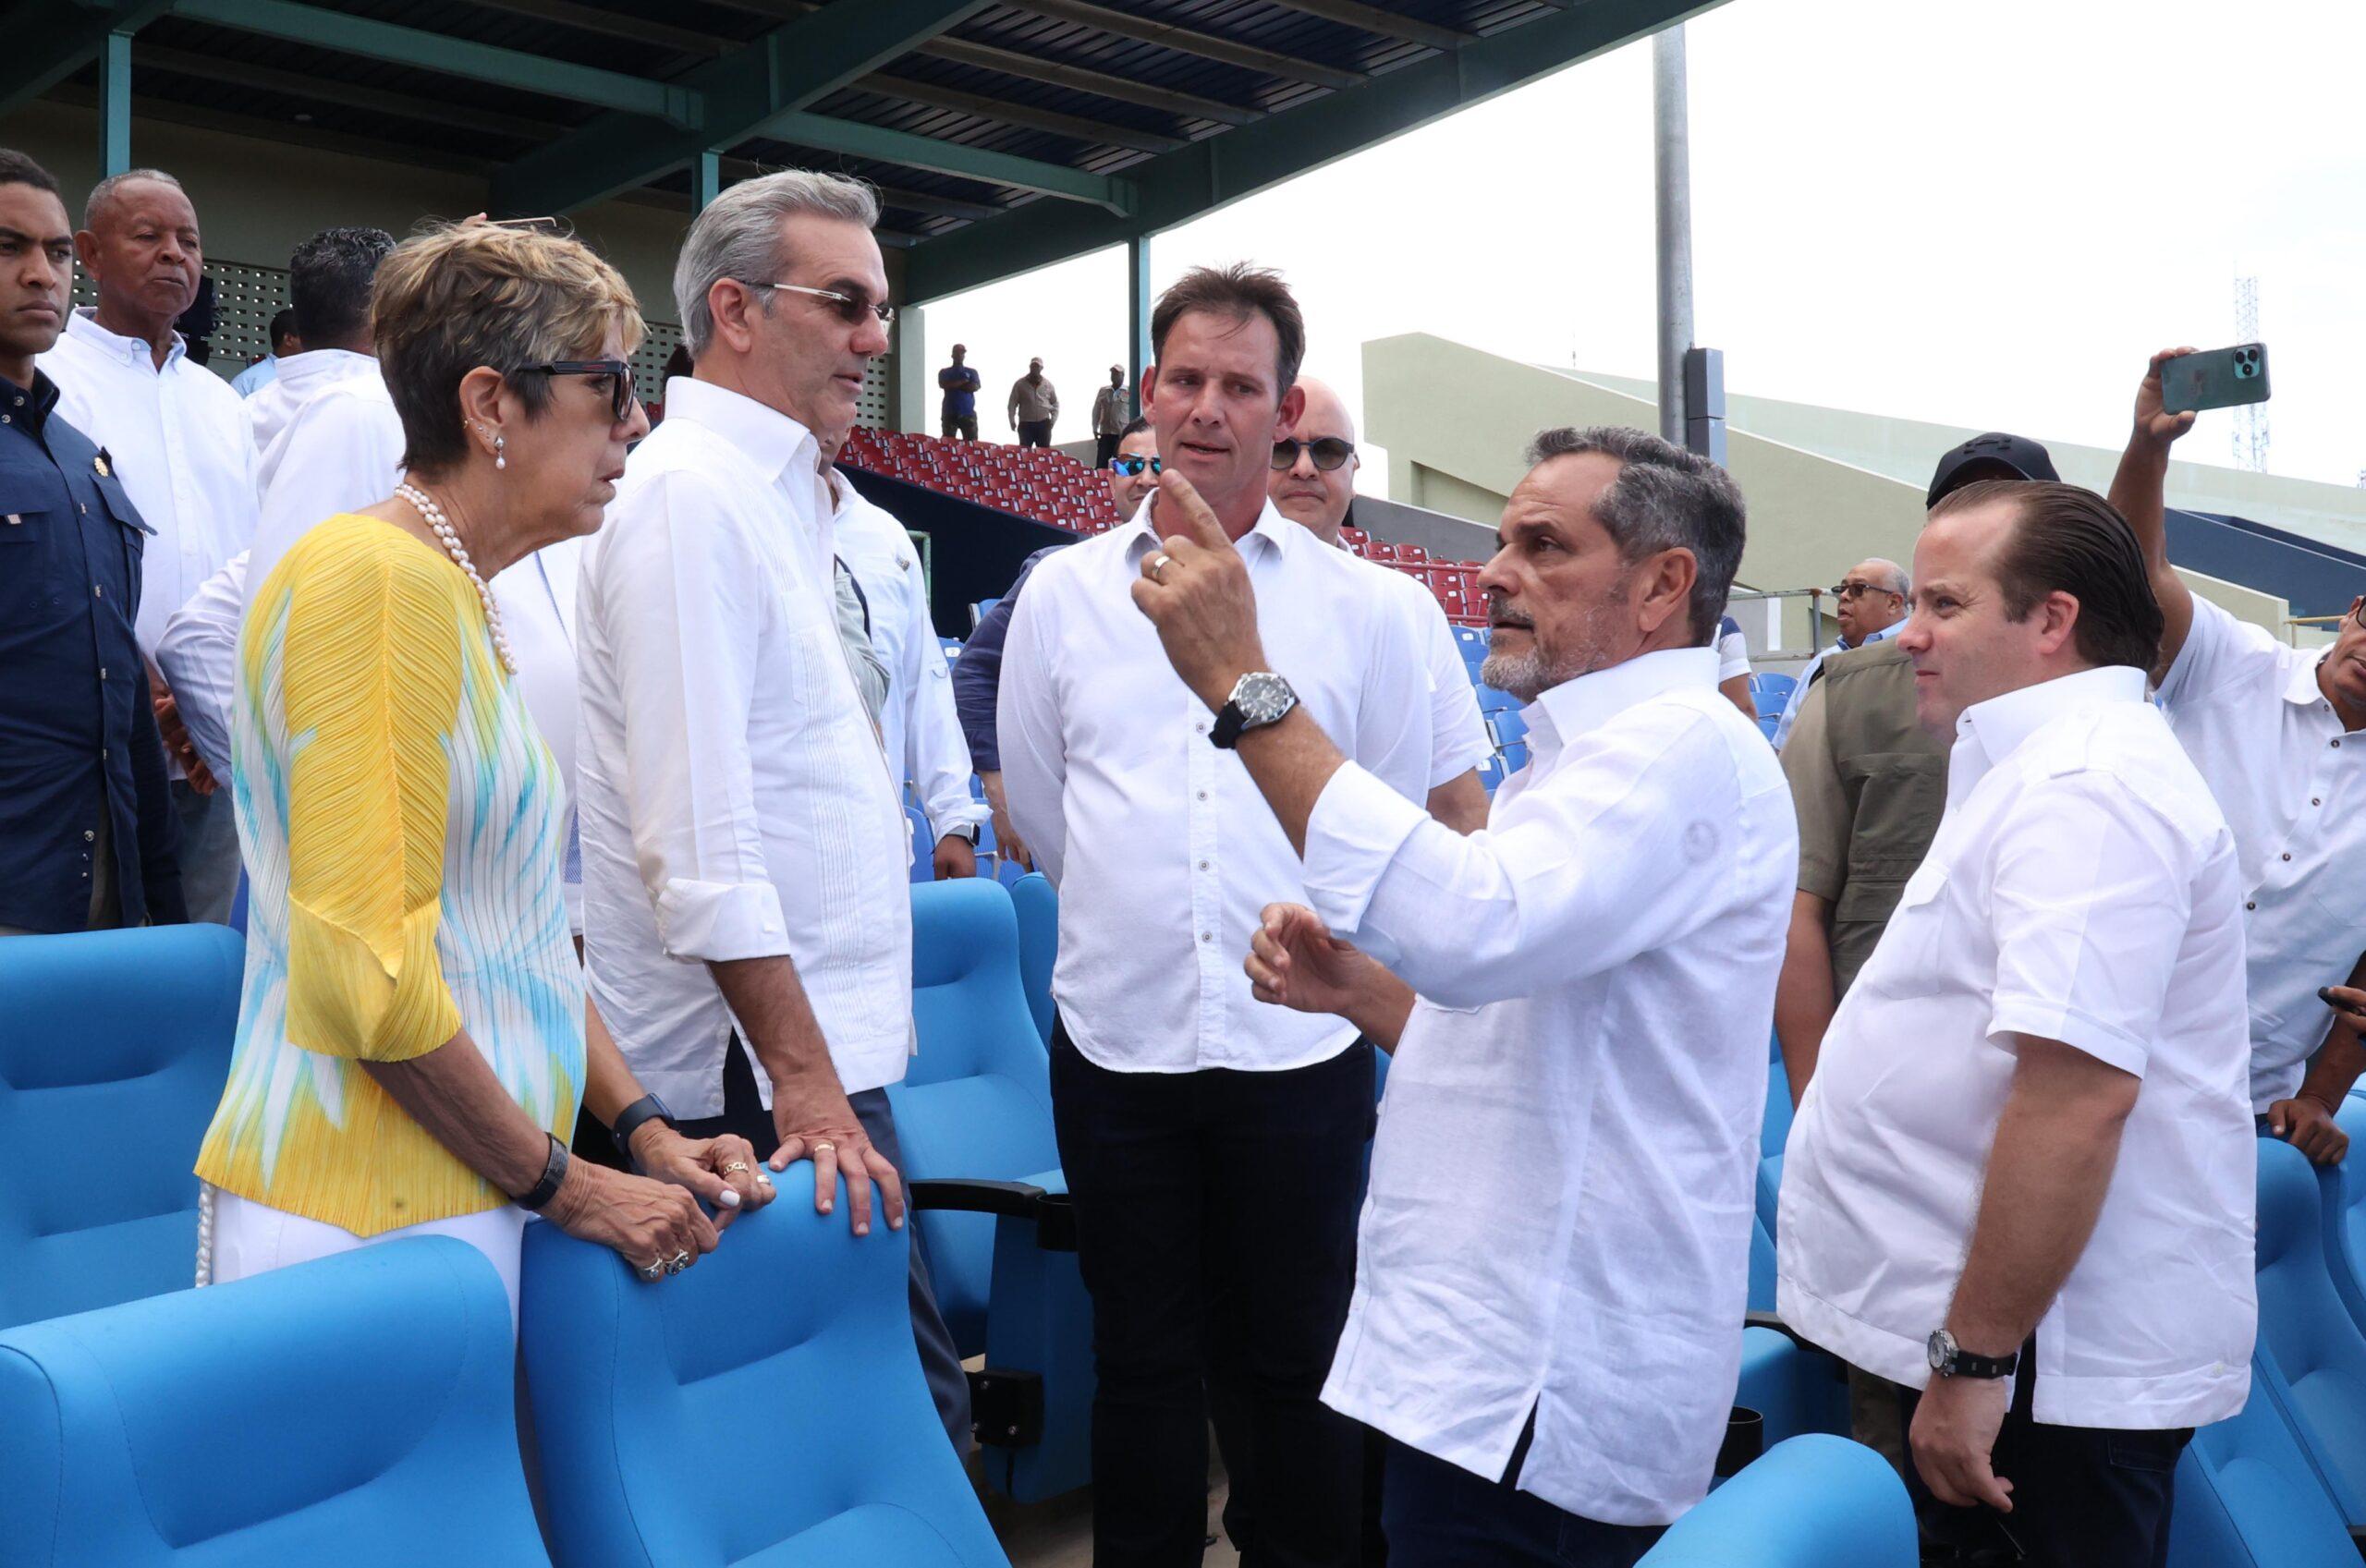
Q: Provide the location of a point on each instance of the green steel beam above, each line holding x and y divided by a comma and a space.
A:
59, 39
1381, 20
437, 51
1219, 170
1138, 300
115, 104
1115, 193
706, 181
1208, 46
1093, 133
789, 68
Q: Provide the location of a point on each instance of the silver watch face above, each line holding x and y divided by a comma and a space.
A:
1262, 698
1940, 1349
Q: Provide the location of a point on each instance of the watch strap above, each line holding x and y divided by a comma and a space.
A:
648, 1108
553, 1174
1231, 722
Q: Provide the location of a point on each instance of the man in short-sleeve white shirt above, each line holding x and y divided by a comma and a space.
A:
1314, 487
2280, 733
2021, 1177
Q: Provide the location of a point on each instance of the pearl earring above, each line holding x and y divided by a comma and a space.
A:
500, 450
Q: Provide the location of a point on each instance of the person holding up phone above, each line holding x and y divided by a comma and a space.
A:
2275, 731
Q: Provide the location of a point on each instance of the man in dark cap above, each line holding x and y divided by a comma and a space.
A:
1992, 456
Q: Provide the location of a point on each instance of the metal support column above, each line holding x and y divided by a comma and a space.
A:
1138, 300
1672, 170
706, 181
115, 104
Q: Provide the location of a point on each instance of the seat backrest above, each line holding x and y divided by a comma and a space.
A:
1038, 907
2312, 1352
977, 1101
655, 1404
1813, 1501
126, 1031
2345, 1212
357, 1410
2247, 1497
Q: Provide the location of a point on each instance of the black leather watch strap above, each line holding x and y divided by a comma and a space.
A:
630, 1120
553, 1173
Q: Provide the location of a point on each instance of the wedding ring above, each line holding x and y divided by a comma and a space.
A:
821, 1144
1158, 565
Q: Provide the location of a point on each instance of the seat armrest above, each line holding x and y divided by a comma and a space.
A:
1774, 1321
1051, 1213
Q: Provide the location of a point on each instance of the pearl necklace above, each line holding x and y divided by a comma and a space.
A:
441, 526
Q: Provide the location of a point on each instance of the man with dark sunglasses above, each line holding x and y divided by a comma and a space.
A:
1313, 483
2276, 730
1870, 603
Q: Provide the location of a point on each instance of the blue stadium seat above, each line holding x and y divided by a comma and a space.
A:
2344, 1207
1773, 1132
2247, 1497
358, 1410
923, 845
765, 1407
1491, 702
978, 611
1770, 692
1796, 1387
1509, 727
1815, 1502
2312, 1355
1514, 756
1039, 943
123, 1030
974, 1115
1491, 773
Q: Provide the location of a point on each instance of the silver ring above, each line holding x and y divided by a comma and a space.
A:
677, 1263
652, 1272
1158, 565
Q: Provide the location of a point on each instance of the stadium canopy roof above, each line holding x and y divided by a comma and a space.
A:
1002, 136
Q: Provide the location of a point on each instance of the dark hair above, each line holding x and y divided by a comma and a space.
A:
1239, 291
17, 169
282, 323
1134, 426
1664, 498
329, 279
2066, 540
680, 363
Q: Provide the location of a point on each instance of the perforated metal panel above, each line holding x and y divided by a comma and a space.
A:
649, 360
244, 298
872, 411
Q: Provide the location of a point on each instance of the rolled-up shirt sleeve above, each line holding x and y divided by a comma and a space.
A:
198, 657
684, 602
2091, 898
1034, 758
1613, 855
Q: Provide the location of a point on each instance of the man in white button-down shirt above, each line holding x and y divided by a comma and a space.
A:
2280, 733
1213, 1147
1553, 1260
179, 437
2021, 1178
744, 848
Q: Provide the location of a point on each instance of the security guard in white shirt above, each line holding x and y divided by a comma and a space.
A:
2021, 1179
2276, 731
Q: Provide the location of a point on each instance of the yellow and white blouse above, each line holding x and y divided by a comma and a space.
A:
403, 825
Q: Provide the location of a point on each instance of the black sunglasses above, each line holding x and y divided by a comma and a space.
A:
1330, 452
620, 374
1130, 464
847, 307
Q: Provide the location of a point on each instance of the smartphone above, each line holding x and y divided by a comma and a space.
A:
2215, 378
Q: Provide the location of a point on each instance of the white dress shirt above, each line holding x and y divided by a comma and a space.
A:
327, 427
2293, 785
301, 378
179, 439
2082, 888
1458, 740
1559, 1213
735, 800
918, 724
1165, 853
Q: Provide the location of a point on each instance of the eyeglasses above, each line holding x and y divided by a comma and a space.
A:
846, 307
620, 374
1848, 590
1330, 452
1128, 464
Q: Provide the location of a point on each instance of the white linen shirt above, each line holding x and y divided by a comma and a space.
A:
301, 378
2082, 888
1458, 739
1559, 1213
735, 801
1164, 852
2293, 785
918, 728
179, 440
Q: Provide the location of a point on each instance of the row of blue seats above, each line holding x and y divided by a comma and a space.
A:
365, 1400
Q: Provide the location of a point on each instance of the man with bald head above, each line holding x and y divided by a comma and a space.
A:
179, 437
1870, 606
1312, 484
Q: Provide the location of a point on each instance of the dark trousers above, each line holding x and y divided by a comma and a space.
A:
1103, 448
1215, 1224
1440, 1516
744, 1113
963, 427
2084, 1497
1034, 432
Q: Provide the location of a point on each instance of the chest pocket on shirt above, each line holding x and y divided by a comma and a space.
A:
1908, 950
28, 514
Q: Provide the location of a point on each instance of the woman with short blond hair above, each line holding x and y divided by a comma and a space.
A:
414, 1044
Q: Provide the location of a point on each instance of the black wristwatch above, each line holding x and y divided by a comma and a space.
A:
648, 1108
1950, 1361
553, 1173
1259, 698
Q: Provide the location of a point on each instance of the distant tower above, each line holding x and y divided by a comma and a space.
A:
2250, 420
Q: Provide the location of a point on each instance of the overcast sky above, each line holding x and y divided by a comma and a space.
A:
1981, 216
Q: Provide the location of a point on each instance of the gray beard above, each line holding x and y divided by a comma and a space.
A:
1529, 676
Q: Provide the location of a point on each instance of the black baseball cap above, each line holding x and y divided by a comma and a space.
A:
1992, 456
